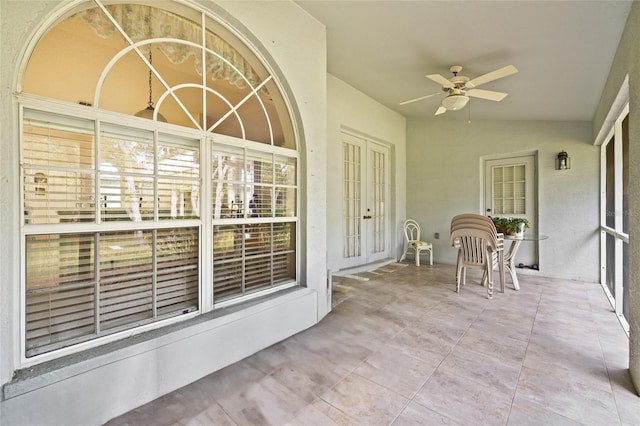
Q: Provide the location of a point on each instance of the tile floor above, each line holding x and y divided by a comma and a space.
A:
402, 348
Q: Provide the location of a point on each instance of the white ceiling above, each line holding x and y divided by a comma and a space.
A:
562, 49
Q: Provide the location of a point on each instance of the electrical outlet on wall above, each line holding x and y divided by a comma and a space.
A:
436, 235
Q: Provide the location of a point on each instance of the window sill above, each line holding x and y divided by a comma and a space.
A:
35, 377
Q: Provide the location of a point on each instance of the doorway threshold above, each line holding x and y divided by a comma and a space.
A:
350, 272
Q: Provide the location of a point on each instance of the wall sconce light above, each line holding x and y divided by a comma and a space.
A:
563, 161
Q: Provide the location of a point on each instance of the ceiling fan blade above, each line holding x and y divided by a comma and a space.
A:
441, 110
420, 98
441, 81
486, 94
493, 75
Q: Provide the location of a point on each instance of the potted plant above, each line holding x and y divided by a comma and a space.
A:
511, 226
516, 226
501, 223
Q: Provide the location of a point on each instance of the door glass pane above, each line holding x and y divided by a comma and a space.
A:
352, 199
378, 211
509, 189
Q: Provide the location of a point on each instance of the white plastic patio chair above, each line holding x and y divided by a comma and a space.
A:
479, 246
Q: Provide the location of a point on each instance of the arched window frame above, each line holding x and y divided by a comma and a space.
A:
209, 143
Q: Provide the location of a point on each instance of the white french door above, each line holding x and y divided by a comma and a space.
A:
365, 200
510, 191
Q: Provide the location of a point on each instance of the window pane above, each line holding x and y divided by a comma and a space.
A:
229, 191
227, 261
177, 279
610, 186
284, 267
285, 171
126, 278
58, 162
58, 196
126, 165
285, 202
257, 239
260, 167
261, 202
611, 264
268, 250
625, 281
60, 290
178, 199
126, 150
52, 140
625, 175
257, 273
179, 192
127, 198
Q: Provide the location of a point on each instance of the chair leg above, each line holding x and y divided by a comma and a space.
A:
417, 257
404, 254
490, 281
431, 257
501, 270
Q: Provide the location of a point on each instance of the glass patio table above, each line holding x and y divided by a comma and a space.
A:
510, 256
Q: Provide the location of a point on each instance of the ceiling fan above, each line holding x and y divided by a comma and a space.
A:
460, 88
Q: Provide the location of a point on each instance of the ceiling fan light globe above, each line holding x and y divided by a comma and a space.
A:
455, 102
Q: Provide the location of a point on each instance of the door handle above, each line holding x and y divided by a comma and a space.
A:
366, 217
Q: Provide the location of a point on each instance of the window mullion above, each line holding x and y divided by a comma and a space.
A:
618, 214
96, 296
206, 229
154, 274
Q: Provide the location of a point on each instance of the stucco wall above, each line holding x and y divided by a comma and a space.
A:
352, 110
131, 375
443, 179
627, 62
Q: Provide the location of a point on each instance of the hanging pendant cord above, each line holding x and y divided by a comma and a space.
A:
150, 75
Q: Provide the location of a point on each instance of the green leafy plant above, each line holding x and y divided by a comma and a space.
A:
517, 224
509, 226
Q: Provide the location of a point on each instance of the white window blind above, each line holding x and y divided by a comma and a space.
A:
82, 284
254, 234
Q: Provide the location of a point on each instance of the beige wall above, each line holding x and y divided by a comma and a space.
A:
627, 62
444, 179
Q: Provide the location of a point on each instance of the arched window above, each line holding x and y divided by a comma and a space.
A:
160, 174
